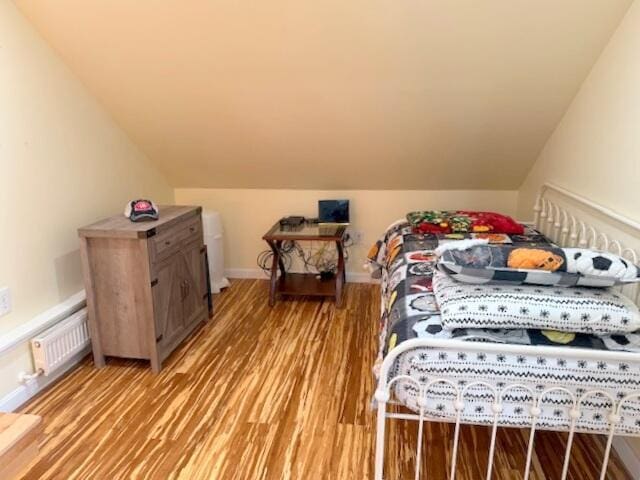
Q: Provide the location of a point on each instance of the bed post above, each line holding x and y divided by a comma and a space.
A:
537, 209
382, 397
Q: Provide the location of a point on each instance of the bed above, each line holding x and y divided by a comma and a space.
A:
527, 378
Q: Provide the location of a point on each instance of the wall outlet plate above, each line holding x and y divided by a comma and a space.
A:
355, 236
5, 301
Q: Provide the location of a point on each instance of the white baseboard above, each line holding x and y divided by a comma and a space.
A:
245, 273
18, 397
352, 277
628, 452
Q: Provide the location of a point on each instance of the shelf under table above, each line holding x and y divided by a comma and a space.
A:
306, 284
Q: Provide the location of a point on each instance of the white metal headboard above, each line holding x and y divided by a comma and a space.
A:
571, 220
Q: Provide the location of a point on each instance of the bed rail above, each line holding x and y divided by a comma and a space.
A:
574, 221
569, 220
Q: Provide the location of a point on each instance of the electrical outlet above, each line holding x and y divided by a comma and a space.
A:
355, 236
5, 301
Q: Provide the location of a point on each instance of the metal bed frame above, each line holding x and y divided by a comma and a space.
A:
569, 220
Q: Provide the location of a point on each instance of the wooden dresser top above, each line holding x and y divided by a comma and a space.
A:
121, 227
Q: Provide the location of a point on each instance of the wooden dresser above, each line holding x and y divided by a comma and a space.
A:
145, 282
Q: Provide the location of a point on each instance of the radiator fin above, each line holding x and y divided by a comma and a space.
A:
55, 346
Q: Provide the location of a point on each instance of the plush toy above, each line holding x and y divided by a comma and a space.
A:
600, 264
534, 259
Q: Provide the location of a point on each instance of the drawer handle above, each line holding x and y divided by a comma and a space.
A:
167, 243
184, 289
193, 229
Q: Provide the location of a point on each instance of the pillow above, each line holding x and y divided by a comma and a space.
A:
603, 265
539, 265
462, 221
576, 309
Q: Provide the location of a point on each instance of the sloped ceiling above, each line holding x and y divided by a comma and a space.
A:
369, 94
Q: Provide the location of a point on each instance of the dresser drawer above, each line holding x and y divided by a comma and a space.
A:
172, 240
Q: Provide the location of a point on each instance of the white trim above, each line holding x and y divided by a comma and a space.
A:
352, 277
22, 394
245, 273
41, 322
629, 455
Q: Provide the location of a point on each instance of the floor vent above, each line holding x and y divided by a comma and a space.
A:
53, 347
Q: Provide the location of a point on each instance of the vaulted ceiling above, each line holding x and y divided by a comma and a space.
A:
370, 94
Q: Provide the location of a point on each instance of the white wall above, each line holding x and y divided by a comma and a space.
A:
248, 213
595, 149
63, 163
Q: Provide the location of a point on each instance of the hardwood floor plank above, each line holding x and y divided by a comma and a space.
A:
263, 393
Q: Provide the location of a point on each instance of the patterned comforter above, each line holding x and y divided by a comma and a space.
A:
406, 262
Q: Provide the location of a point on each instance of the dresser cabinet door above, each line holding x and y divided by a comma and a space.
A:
167, 295
194, 278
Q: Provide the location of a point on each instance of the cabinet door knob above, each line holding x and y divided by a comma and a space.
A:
168, 242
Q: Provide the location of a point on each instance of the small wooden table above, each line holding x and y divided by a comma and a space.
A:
305, 283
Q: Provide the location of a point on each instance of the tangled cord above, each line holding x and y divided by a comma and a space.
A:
265, 258
323, 259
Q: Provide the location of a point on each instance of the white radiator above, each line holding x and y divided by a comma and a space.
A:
53, 347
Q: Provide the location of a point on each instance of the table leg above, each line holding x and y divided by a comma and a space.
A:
280, 261
275, 263
340, 274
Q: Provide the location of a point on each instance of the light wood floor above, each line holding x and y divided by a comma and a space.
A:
261, 393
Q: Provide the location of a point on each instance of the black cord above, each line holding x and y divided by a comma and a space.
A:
313, 262
265, 258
